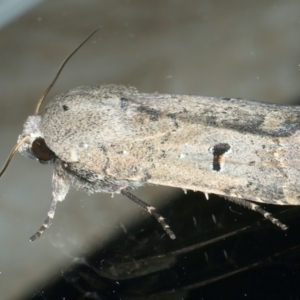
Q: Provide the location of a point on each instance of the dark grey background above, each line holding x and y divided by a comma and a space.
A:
247, 49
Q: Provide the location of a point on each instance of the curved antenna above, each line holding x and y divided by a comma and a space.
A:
13, 152
59, 71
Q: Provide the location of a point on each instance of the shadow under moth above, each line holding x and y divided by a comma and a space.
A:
112, 138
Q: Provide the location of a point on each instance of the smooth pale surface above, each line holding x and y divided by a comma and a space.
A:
225, 49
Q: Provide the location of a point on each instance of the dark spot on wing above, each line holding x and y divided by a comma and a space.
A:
173, 117
218, 151
162, 154
165, 138
211, 120
147, 176
151, 112
124, 103
102, 148
65, 107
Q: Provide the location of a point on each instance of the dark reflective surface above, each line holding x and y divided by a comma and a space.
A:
222, 251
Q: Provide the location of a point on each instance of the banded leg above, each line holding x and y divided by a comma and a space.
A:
151, 210
60, 187
257, 208
46, 223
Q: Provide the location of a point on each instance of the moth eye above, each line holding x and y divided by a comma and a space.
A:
41, 150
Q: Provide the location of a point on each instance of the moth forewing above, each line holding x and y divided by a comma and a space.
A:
229, 147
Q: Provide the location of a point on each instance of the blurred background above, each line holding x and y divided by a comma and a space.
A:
247, 49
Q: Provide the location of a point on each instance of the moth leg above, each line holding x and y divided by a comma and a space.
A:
151, 210
46, 223
257, 208
60, 187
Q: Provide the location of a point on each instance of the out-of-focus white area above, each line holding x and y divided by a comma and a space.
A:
216, 48
12, 9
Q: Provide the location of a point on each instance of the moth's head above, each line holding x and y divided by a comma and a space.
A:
34, 146
31, 142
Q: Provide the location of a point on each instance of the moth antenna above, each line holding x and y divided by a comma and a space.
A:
60, 69
13, 152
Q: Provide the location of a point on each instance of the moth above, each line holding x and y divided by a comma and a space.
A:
112, 139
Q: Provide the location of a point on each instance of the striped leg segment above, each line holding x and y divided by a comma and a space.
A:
257, 208
60, 187
151, 210
46, 223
